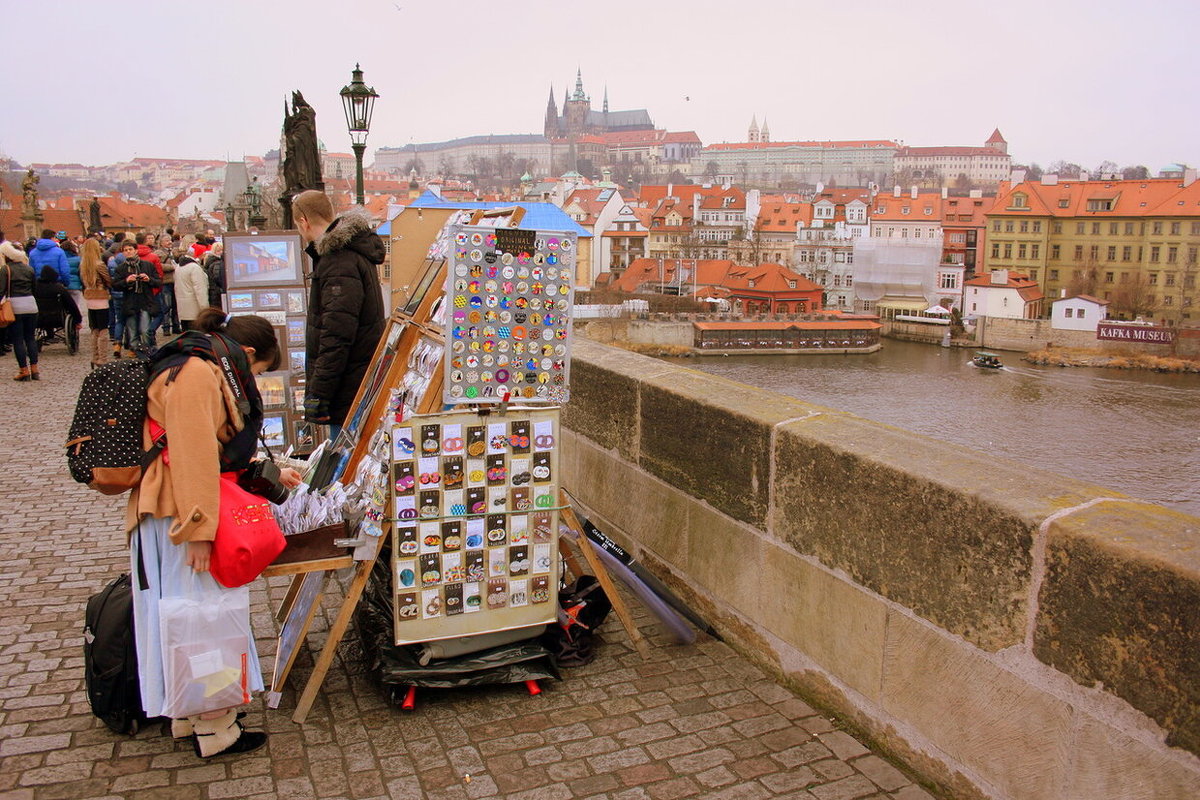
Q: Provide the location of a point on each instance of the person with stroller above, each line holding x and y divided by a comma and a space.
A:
56, 310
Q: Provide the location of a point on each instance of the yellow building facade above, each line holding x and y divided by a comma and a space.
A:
1135, 243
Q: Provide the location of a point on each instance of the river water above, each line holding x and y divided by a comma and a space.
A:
1134, 431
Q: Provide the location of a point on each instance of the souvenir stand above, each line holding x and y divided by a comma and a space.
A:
265, 275
451, 446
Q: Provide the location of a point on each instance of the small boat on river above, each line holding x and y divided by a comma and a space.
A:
986, 360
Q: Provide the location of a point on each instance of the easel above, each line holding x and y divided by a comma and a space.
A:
299, 605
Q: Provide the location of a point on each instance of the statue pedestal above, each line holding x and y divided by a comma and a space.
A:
31, 226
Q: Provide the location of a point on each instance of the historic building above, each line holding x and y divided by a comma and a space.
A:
1135, 243
961, 167
767, 163
578, 118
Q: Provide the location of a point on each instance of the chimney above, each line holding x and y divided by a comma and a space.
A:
1084, 175
1018, 176
945, 192
1062, 293
670, 189
1049, 179
1189, 176
913, 193
999, 277
896, 190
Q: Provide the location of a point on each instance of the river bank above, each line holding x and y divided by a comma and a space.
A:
1074, 357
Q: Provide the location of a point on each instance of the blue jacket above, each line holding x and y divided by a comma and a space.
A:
76, 283
47, 252
113, 263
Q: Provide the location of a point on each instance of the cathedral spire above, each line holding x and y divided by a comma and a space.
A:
765, 133
752, 134
606, 98
579, 95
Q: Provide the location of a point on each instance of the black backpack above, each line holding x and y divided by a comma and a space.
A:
583, 607
110, 658
104, 443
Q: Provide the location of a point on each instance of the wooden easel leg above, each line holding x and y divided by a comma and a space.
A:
285, 607
336, 631
606, 581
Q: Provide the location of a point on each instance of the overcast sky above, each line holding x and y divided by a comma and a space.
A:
97, 83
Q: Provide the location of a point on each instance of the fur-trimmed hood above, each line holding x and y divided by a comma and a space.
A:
354, 230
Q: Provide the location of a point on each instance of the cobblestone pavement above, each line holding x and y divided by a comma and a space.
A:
696, 721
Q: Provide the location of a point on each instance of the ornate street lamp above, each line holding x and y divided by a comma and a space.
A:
252, 197
358, 99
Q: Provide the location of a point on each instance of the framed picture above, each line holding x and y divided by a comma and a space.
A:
298, 399
273, 258
273, 430
269, 300
433, 267
241, 301
295, 332
276, 318
297, 359
297, 303
273, 388
304, 436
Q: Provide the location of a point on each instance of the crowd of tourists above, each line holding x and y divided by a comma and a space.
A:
134, 288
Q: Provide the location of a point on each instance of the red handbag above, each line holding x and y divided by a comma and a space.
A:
248, 537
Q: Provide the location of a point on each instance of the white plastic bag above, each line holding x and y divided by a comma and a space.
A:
205, 648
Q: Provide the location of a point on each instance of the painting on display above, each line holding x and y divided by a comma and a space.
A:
509, 294
475, 545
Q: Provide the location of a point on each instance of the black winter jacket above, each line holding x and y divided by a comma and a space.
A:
345, 311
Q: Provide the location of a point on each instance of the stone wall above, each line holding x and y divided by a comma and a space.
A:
1010, 633
1000, 333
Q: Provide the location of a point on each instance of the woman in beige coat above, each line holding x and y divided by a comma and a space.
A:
191, 291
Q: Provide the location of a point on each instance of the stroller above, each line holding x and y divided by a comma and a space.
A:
59, 318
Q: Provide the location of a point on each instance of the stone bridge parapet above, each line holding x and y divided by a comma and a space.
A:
1009, 632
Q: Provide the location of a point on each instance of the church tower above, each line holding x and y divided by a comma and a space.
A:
551, 126
576, 110
765, 134
752, 135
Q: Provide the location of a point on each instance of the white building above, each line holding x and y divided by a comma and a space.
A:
897, 276
1079, 313
1001, 293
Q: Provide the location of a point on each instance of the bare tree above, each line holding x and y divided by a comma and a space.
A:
1064, 169
1085, 280
1134, 298
1138, 173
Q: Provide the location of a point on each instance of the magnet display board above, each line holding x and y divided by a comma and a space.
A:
510, 293
475, 528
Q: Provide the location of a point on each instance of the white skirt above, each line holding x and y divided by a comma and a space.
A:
166, 571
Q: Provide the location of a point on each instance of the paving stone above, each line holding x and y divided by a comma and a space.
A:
689, 721
851, 788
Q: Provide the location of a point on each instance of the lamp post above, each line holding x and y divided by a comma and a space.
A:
253, 199
358, 100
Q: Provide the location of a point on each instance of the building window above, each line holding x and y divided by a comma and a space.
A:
1156, 228
1152, 279
1080, 228
1170, 279
1126, 253
1154, 254
1021, 250
1008, 226
1055, 252
1168, 300
1037, 226
1079, 313
1112, 254
1035, 251
1053, 274
1172, 255
1057, 227
1018, 200
1079, 252
1064, 203
1094, 252
1033, 274
1175, 228
996, 226
1067, 313
1114, 228
1008, 250
949, 280
1095, 229
1024, 226
1108, 277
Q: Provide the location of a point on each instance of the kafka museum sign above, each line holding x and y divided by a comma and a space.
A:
1147, 334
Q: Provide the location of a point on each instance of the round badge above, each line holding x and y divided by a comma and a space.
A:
521, 302
505, 317
503, 345
456, 362
551, 273
539, 258
552, 243
491, 316
565, 244
508, 272
502, 375
518, 376
458, 347
559, 333
548, 333
460, 285
546, 364
506, 302
490, 286
489, 257
507, 287
523, 258
520, 317
474, 317
476, 301
518, 348
473, 347
460, 270
543, 377
456, 376
472, 361
461, 237
539, 243
492, 301
552, 259
477, 255
456, 391
536, 302
473, 287
518, 332
485, 377
535, 319
477, 239
476, 271
527, 392
492, 271
506, 259
489, 345
522, 273
460, 253
560, 349
472, 392
502, 359
489, 359
537, 273
490, 240
472, 376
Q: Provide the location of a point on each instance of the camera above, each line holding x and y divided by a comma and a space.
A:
262, 478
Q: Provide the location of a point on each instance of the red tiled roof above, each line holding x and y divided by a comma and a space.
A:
894, 208
683, 137
826, 325
946, 151
1152, 197
782, 217
996, 138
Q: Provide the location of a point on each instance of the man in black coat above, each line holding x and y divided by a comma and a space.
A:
345, 304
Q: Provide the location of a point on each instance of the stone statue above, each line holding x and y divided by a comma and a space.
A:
29, 206
94, 221
301, 158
